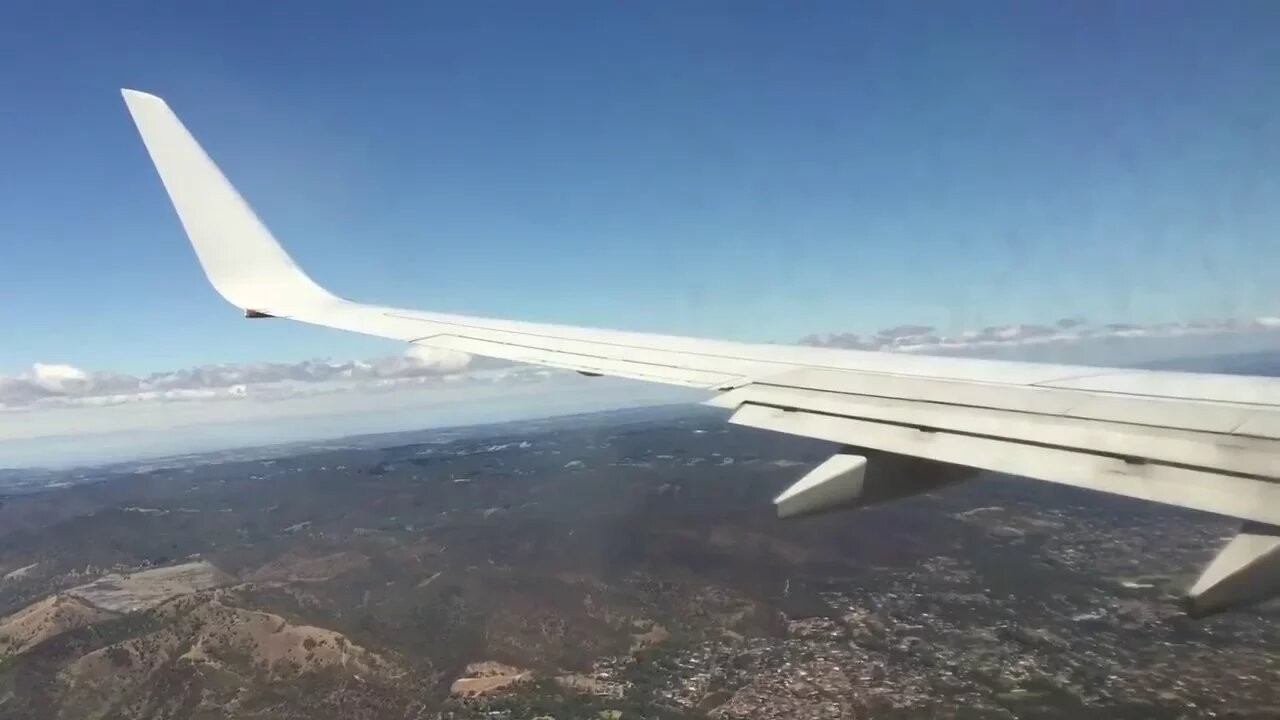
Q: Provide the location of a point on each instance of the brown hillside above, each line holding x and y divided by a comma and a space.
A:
219, 653
40, 621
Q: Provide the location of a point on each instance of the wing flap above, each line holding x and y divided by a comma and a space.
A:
1216, 452
1173, 385
1203, 415
1231, 495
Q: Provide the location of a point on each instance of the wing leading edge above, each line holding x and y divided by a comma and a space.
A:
1208, 442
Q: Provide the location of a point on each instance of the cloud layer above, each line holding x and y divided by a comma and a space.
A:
52, 385
925, 339
59, 385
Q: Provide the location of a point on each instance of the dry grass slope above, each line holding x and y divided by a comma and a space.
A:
45, 619
488, 678
204, 636
148, 588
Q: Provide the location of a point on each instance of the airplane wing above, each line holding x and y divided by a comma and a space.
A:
1208, 442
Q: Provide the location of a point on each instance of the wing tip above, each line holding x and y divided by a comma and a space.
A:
241, 258
130, 95
139, 102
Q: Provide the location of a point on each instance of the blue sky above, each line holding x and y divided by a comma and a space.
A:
749, 170
755, 171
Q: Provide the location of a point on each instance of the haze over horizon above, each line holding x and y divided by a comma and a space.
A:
60, 416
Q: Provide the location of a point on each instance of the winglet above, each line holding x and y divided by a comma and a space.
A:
241, 258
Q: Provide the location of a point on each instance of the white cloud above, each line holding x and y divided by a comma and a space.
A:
1065, 332
55, 385
98, 430
60, 385
58, 415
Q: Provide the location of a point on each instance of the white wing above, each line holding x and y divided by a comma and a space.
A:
1209, 442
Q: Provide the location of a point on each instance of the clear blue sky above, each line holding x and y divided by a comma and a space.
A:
748, 170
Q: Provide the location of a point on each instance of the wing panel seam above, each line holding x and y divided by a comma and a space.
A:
1017, 441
